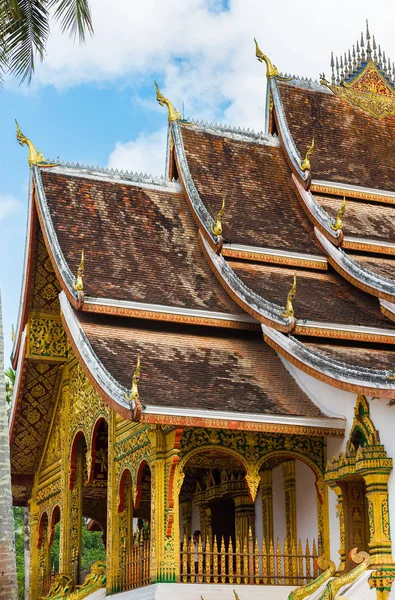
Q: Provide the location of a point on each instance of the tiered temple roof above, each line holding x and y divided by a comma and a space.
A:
207, 297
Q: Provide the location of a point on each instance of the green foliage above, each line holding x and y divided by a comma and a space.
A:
9, 381
19, 550
25, 27
92, 548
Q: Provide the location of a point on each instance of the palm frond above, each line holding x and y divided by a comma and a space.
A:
74, 16
25, 36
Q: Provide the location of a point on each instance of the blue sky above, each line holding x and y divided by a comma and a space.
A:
96, 104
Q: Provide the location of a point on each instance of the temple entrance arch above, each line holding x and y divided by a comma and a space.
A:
214, 499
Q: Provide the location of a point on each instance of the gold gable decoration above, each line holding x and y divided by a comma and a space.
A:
365, 78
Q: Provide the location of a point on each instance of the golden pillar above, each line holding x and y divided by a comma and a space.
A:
34, 552
205, 522
340, 513
290, 501
125, 529
244, 517
64, 540
379, 525
267, 505
113, 531
75, 523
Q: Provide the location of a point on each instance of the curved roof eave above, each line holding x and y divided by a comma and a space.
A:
111, 391
361, 380
261, 309
362, 278
26, 277
65, 276
199, 211
291, 152
316, 214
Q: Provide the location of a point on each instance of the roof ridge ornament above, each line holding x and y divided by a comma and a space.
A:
172, 113
289, 310
216, 229
35, 157
134, 395
338, 224
366, 81
271, 70
305, 163
78, 284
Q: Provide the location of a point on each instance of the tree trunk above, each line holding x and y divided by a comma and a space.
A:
8, 581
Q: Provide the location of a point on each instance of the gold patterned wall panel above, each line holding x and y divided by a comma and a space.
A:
45, 286
35, 412
85, 406
46, 338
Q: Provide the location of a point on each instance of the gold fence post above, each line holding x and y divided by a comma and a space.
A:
238, 561
315, 556
230, 561
215, 560
279, 566
223, 561
208, 560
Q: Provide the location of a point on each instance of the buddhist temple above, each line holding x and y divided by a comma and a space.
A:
206, 361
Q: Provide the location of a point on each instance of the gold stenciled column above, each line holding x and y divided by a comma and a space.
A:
267, 505
76, 517
64, 540
113, 541
186, 508
379, 526
244, 517
34, 551
290, 501
340, 512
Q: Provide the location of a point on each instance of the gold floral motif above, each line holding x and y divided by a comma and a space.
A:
47, 338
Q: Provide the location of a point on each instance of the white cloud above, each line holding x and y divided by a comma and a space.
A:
8, 205
145, 154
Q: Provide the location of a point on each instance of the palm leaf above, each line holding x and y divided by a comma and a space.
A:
74, 16
25, 37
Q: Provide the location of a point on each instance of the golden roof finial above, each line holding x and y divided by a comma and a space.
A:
78, 285
217, 228
271, 70
289, 310
173, 114
35, 157
339, 223
305, 163
12, 333
134, 392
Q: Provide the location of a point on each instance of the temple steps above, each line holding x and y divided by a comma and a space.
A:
191, 591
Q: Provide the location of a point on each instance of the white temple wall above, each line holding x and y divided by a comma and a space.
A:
306, 503
278, 505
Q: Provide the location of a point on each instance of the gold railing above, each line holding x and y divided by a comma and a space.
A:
136, 563
245, 562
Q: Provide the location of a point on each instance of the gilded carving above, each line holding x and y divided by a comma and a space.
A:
47, 338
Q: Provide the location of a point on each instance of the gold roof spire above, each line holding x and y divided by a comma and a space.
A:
217, 227
305, 163
134, 392
35, 157
78, 285
271, 70
338, 224
173, 114
289, 310
12, 333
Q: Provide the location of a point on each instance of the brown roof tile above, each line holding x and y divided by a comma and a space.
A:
320, 296
236, 371
363, 219
372, 358
261, 206
140, 244
378, 264
350, 145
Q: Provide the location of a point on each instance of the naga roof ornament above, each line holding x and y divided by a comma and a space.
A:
172, 113
271, 70
305, 163
35, 157
134, 392
364, 77
78, 285
217, 227
338, 224
289, 310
